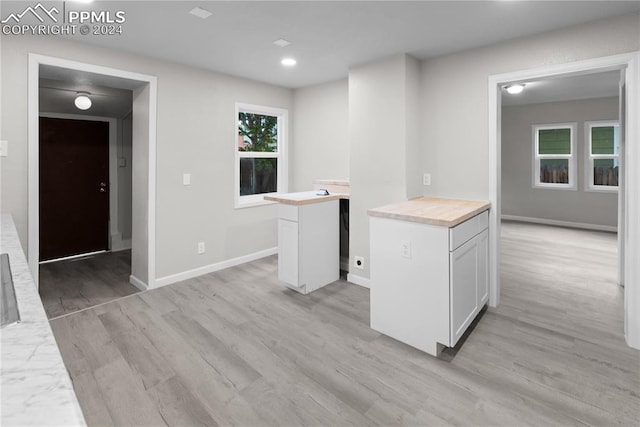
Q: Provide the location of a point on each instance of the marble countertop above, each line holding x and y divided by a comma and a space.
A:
431, 210
35, 386
304, 198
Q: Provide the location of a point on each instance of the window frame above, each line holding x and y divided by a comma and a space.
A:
281, 154
536, 157
589, 157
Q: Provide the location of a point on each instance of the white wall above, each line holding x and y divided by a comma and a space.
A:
519, 198
379, 126
455, 96
195, 133
320, 148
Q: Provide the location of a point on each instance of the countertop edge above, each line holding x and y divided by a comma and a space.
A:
308, 201
376, 212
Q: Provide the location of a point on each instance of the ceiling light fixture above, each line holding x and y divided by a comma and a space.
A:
82, 101
288, 62
200, 12
515, 89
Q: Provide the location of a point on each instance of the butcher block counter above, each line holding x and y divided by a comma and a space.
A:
432, 210
305, 198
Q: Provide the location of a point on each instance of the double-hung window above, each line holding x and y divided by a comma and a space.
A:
260, 147
603, 163
554, 156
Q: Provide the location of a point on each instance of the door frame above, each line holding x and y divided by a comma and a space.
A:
629, 230
35, 60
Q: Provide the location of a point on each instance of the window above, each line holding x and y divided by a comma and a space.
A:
554, 153
603, 164
260, 147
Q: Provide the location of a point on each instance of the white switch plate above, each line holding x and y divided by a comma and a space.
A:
426, 179
200, 247
186, 179
4, 148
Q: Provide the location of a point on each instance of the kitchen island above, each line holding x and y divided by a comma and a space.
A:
308, 239
429, 269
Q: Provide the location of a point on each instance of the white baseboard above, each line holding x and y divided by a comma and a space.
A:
178, 277
137, 283
568, 224
358, 280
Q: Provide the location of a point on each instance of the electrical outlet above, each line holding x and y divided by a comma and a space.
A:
4, 148
200, 247
426, 179
405, 248
186, 179
358, 262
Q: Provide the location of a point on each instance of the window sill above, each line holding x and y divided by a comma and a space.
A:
610, 190
553, 187
252, 203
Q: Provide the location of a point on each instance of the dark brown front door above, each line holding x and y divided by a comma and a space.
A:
74, 187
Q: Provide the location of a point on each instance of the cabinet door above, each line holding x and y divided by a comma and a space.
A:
483, 268
463, 288
288, 251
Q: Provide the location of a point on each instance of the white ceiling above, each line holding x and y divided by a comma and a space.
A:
327, 37
110, 96
596, 85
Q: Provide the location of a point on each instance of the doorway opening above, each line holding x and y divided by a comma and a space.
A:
560, 173
85, 194
85, 207
629, 193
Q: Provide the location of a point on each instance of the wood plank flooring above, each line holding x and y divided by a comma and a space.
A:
236, 348
71, 285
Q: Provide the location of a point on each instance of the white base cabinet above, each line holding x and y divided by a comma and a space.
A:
308, 245
428, 282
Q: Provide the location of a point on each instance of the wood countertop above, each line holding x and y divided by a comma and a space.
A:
431, 210
304, 198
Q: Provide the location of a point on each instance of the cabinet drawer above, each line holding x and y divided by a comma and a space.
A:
288, 212
461, 233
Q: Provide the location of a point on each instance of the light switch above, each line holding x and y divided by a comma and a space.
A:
122, 162
186, 179
4, 148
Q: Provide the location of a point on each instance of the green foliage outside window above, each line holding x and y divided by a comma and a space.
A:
259, 132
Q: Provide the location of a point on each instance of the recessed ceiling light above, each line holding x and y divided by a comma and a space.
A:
515, 89
200, 12
282, 42
288, 62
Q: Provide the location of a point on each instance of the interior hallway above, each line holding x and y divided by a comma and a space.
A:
71, 285
236, 347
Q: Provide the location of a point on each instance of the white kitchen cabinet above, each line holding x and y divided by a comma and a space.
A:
308, 245
428, 282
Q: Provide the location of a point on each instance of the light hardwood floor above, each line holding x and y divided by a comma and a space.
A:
71, 285
236, 348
